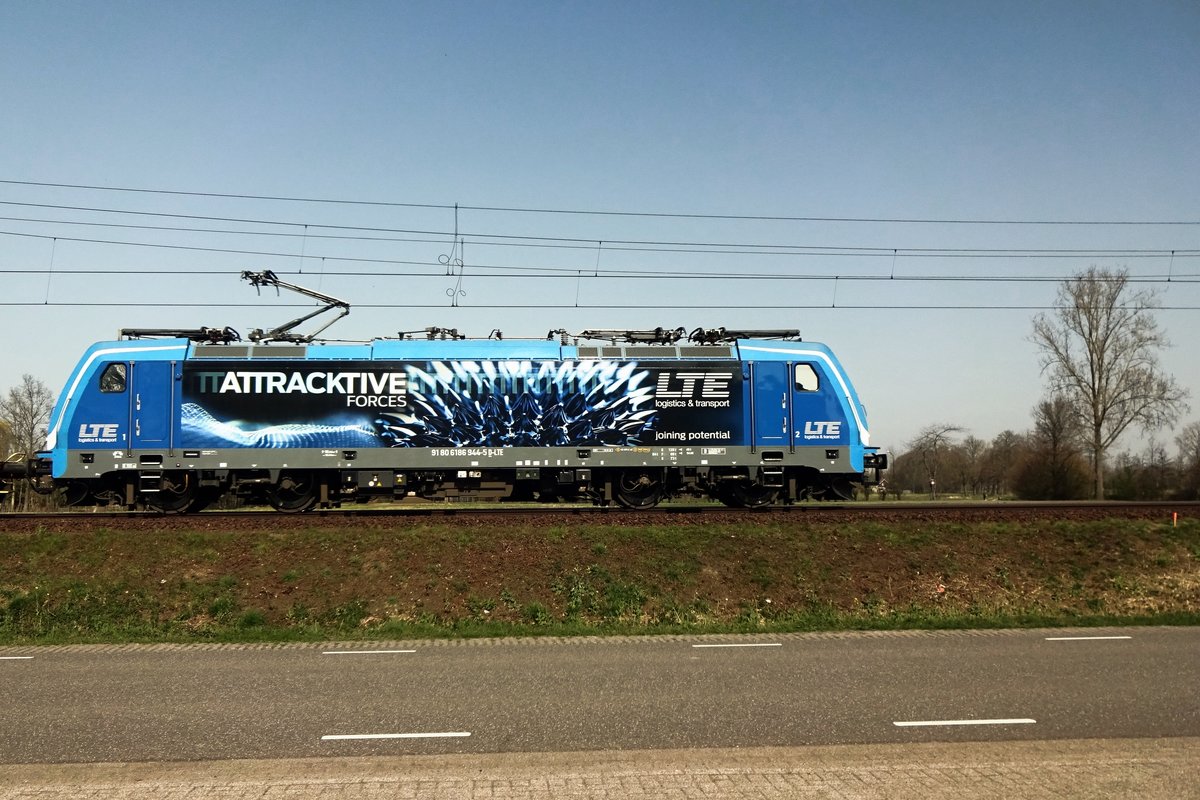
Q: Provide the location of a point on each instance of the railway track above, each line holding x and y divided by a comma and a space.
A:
560, 514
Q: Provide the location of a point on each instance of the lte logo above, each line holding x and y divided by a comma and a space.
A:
711, 385
98, 432
822, 430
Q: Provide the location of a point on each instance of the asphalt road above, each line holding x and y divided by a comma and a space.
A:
198, 703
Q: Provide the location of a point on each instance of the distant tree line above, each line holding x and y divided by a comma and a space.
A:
1048, 462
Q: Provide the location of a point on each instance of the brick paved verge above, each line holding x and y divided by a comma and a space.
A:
1147, 769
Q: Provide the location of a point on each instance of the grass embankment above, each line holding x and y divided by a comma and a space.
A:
346, 580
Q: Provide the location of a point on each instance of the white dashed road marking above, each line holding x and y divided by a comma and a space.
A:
933, 723
760, 644
350, 736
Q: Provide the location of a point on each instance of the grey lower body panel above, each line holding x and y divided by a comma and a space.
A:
456, 458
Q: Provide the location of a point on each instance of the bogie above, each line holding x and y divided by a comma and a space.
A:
640, 488
294, 491
171, 493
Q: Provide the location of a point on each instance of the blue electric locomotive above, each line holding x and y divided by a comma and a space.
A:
175, 419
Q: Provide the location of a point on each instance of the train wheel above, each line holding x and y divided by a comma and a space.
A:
639, 488
175, 493
205, 496
838, 489
748, 495
295, 492
77, 493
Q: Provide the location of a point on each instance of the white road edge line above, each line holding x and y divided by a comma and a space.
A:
444, 735
16, 658
940, 722
760, 644
1083, 638
363, 652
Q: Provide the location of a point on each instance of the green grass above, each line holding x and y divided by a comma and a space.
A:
452, 579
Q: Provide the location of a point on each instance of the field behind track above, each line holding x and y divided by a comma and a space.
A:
208, 578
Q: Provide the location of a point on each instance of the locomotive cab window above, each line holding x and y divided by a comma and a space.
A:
112, 380
806, 379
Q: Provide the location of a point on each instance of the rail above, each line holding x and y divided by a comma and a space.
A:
816, 512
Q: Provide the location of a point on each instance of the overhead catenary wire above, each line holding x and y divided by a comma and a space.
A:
594, 212
564, 274
893, 253
332, 234
566, 242
585, 306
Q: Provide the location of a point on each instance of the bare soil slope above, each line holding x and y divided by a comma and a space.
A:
213, 576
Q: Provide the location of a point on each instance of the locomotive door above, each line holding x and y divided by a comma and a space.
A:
772, 401
817, 415
151, 403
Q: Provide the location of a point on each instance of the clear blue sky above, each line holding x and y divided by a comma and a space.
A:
933, 111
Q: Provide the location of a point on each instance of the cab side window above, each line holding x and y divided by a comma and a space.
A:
112, 380
806, 379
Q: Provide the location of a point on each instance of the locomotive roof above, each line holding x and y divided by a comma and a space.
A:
178, 348
535, 349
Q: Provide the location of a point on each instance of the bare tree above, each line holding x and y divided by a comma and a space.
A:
1150, 476
1188, 442
1100, 351
905, 474
973, 452
26, 411
6, 484
1053, 468
930, 447
1159, 473
1002, 458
